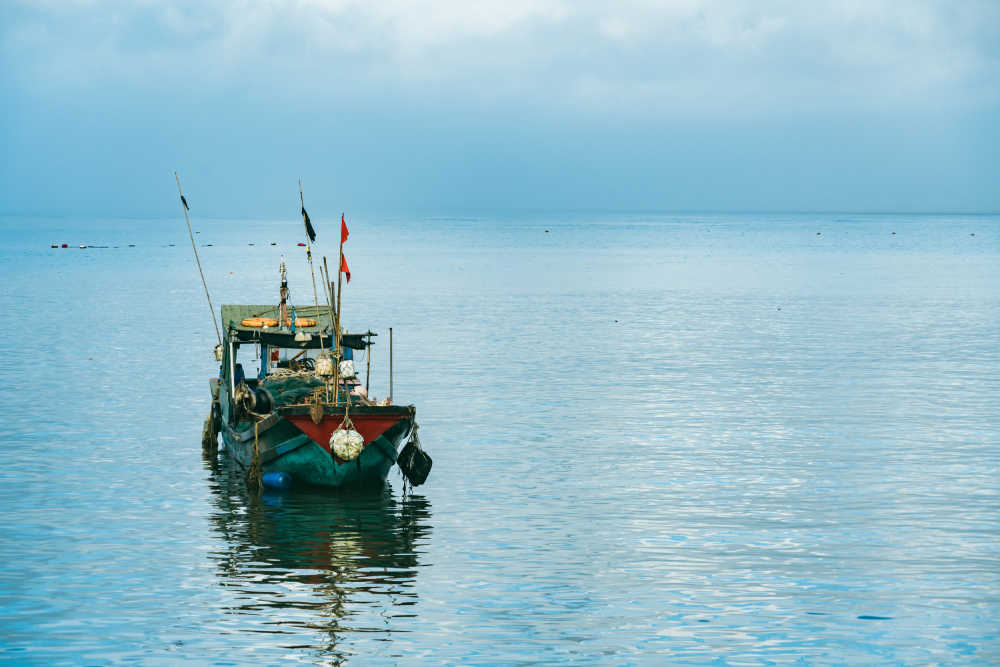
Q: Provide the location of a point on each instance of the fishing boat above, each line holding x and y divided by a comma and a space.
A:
285, 416
293, 410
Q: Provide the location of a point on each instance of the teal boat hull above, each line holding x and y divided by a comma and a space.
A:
289, 442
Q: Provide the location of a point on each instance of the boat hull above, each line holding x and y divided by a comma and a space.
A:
291, 441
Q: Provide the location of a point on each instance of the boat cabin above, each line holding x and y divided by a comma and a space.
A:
279, 351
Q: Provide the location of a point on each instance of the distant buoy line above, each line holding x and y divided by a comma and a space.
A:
187, 218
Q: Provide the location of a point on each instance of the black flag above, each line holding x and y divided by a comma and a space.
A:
185, 202
309, 228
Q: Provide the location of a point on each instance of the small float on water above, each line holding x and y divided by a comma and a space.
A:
298, 412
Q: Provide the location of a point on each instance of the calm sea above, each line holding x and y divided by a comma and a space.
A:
657, 439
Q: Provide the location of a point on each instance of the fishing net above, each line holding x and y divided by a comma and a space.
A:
293, 389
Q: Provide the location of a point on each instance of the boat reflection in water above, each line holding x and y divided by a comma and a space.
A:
317, 565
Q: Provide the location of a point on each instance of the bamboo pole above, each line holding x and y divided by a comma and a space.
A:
337, 355
336, 339
187, 219
340, 265
368, 361
283, 291
309, 256
328, 292
324, 274
390, 365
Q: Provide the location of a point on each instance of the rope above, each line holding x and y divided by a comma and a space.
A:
287, 373
253, 472
414, 438
347, 424
306, 310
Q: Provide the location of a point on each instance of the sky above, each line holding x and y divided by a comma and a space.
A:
500, 105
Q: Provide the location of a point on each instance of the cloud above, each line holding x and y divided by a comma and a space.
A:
681, 56
681, 103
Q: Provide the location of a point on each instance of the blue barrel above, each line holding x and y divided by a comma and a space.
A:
277, 480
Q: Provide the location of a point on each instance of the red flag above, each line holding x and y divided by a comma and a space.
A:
343, 229
343, 267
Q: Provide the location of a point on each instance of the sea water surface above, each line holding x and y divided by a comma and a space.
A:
657, 439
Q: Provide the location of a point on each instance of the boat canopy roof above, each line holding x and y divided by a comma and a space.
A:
234, 315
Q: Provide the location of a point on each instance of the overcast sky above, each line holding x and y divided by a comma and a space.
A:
464, 106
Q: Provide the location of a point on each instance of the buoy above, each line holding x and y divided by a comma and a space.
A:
55, 245
257, 322
131, 245
65, 245
83, 246
303, 245
249, 244
546, 231
346, 369
277, 480
324, 366
347, 444
273, 243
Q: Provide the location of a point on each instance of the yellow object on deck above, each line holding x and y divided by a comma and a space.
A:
257, 322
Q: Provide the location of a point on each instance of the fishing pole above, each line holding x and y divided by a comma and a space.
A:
187, 218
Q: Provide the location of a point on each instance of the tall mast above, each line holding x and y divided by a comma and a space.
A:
368, 360
340, 272
324, 273
336, 337
187, 218
283, 307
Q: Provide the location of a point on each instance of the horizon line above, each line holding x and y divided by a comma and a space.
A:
484, 211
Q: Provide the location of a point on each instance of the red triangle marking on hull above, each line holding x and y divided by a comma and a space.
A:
369, 426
